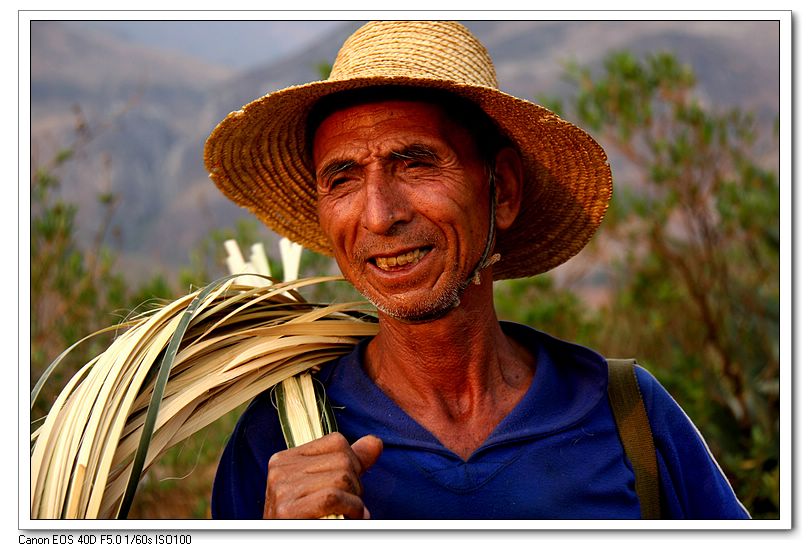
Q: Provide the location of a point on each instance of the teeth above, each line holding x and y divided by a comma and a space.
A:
411, 257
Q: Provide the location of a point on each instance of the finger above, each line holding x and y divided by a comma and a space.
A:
292, 495
331, 442
367, 449
330, 445
292, 485
342, 463
322, 503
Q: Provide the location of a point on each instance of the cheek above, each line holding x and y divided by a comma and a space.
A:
337, 220
326, 217
453, 206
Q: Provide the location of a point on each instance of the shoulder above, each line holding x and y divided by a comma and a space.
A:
579, 363
570, 380
238, 491
260, 417
693, 483
667, 419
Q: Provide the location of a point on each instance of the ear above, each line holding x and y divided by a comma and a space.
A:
508, 187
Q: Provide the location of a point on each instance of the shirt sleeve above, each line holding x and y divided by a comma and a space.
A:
692, 484
239, 484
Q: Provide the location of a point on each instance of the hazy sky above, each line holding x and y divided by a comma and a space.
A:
238, 44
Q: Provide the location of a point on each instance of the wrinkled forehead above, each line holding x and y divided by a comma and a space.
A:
462, 112
393, 126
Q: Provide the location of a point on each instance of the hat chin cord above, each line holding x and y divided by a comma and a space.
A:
486, 260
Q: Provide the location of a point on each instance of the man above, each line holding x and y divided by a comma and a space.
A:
427, 183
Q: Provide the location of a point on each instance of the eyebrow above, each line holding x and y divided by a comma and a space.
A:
334, 168
414, 151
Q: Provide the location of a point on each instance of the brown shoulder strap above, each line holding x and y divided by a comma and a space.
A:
634, 432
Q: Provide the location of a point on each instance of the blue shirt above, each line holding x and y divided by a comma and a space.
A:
556, 455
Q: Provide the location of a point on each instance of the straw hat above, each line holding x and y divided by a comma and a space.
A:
258, 155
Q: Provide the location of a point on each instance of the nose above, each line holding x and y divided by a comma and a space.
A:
386, 203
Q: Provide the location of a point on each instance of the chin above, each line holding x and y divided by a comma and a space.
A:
420, 310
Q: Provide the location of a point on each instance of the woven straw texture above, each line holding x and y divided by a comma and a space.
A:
258, 155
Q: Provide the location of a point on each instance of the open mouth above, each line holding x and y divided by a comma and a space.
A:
400, 261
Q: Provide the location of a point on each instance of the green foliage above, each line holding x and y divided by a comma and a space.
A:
555, 309
75, 290
323, 69
207, 259
179, 486
694, 243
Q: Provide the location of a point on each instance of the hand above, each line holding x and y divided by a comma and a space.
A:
320, 478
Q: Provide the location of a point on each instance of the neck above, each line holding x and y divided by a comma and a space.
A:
452, 372
457, 347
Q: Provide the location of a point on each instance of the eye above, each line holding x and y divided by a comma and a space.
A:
326, 185
331, 185
411, 164
334, 175
416, 157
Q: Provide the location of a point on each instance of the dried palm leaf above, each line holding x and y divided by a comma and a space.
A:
172, 372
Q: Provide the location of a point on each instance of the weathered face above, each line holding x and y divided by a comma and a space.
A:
404, 201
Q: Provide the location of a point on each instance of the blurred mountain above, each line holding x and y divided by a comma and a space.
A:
238, 44
149, 110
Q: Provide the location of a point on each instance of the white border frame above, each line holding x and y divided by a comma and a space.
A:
786, 281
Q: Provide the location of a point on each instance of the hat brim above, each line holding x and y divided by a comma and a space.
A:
258, 157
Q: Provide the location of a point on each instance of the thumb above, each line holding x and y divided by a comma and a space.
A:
367, 449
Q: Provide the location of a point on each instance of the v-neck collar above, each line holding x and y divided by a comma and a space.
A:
561, 394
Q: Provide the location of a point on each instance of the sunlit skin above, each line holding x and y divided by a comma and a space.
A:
399, 179
392, 183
